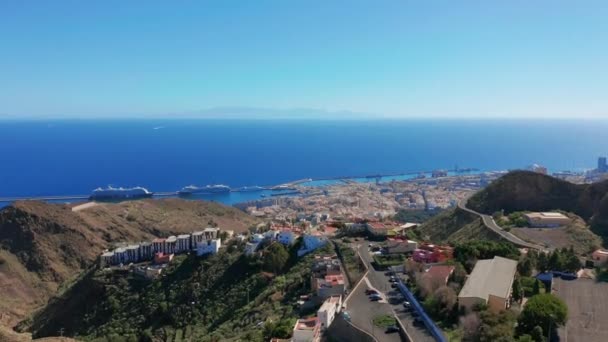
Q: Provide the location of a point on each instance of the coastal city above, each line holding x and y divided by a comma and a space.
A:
376, 276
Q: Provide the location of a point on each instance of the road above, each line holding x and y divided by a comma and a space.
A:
488, 221
381, 282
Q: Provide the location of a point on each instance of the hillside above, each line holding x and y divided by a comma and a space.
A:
455, 225
529, 191
43, 245
524, 190
220, 297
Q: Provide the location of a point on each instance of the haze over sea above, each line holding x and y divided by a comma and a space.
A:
64, 157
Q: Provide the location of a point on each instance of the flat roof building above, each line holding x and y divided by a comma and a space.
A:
490, 283
547, 219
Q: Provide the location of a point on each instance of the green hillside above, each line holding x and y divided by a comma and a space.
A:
222, 297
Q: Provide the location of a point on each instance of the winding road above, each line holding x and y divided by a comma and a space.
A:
489, 222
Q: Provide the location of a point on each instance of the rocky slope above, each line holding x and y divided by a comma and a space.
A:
44, 245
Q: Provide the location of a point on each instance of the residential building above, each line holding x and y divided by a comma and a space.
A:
120, 255
257, 238
330, 285
326, 265
146, 251
208, 247
307, 330
183, 243
106, 259
286, 237
377, 228
162, 258
439, 274
170, 244
132, 253
311, 242
211, 233
196, 238
327, 312
547, 220
158, 245
251, 247
600, 257
429, 253
394, 246
490, 283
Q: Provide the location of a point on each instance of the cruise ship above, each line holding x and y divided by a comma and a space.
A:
208, 189
251, 188
119, 193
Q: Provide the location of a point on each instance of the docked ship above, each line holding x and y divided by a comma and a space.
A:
251, 188
208, 189
110, 193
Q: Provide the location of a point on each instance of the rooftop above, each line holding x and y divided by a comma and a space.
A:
490, 277
306, 323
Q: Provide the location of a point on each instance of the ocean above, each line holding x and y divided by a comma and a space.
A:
68, 157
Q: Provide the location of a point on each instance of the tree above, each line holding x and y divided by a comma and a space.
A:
536, 289
543, 310
572, 263
537, 334
542, 263
459, 275
525, 266
518, 291
275, 258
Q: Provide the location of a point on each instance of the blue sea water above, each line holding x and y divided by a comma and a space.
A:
63, 157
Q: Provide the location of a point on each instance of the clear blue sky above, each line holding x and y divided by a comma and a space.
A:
392, 58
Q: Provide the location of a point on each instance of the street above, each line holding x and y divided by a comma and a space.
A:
362, 310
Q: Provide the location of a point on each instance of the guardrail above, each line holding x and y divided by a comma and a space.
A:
428, 322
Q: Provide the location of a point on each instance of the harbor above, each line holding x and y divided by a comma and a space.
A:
232, 196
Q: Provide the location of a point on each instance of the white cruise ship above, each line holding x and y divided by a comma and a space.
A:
120, 193
208, 189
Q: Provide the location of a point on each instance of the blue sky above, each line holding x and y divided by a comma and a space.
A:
389, 58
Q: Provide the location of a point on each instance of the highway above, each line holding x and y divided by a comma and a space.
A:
489, 222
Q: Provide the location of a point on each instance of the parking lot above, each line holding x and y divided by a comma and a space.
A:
587, 303
380, 281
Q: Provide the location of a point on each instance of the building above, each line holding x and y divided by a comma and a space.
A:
490, 283
286, 237
132, 253
171, 244
602, 166
429, 253
311, 242
600, 257
120, 255
307, 330
145, 251
196, 238
327, 312
537, 168
330, 285
106, 259
162, 258
439, 173
183, 243
439, 274
211, 233
547, 219
208, 247
394, 246
377, 228
251, 247
326, 265
158, 245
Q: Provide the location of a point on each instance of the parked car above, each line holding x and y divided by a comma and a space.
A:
370, 291
392, 329
374, 299
407, 304
418, 322
388, 273
394, 285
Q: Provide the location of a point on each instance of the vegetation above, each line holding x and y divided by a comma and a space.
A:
561, 260
416, 215
540, 313
383, 321
384, 261
524, 190
469, 252
275, 258
224, 296
514, 219
353, 266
